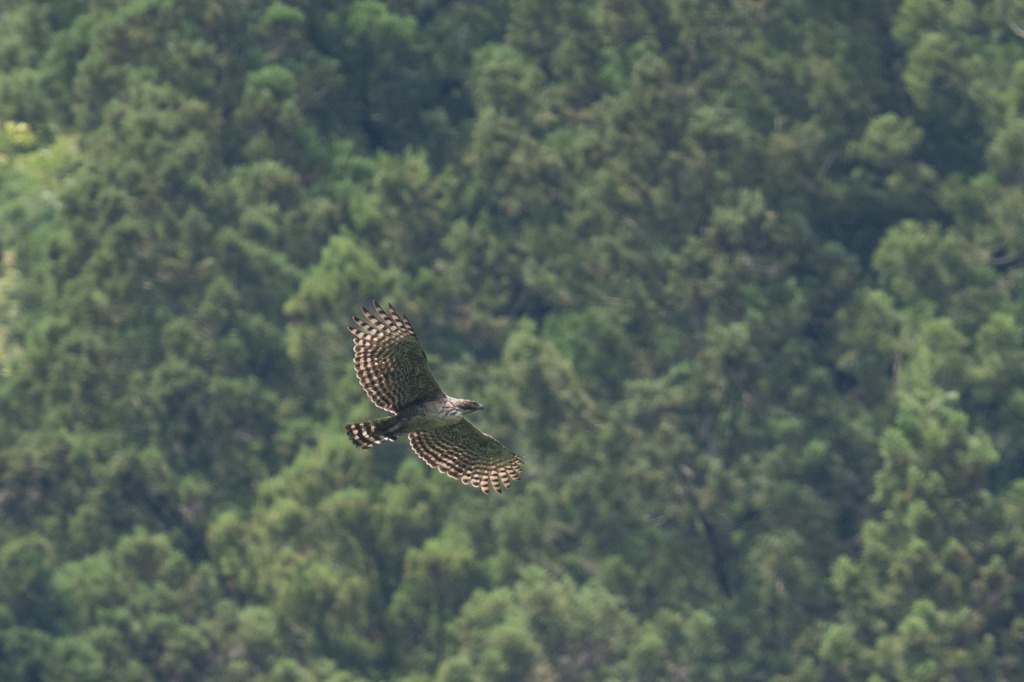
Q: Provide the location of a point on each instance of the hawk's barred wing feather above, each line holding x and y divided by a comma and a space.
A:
465, 452
390, 363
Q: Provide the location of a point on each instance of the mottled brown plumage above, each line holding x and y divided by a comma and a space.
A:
392, 369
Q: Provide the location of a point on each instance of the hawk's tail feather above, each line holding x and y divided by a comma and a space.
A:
368, 434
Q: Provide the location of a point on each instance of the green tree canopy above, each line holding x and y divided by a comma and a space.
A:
741, 283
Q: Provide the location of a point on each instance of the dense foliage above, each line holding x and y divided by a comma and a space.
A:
742, 282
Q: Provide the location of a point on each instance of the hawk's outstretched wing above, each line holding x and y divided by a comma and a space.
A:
465, 452
390, 364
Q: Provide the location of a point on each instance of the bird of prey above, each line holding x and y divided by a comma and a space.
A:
392, 369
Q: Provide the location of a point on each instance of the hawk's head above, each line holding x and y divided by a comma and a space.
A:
465, 406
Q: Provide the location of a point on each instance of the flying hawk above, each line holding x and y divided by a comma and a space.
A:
392, 369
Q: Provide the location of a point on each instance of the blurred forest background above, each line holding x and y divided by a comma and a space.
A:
741, 281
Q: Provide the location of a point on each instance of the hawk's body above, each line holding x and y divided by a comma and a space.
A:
392, 369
